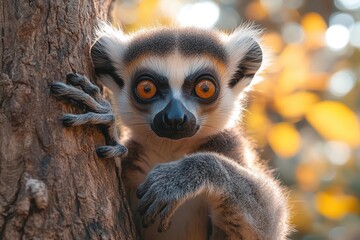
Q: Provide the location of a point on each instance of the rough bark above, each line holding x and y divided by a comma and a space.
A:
52, 184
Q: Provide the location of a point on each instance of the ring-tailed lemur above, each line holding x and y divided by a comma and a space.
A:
177, 92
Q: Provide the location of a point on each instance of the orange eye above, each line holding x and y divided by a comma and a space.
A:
145, 89
205, 89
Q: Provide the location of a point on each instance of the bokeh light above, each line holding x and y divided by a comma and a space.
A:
342, 82
201, 14
347, 4
340, 18
292, 33
355, 35
304, 115
337, 152
337, 37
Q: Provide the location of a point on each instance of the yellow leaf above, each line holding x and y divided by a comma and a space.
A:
284, 139
336, 205
295, 105
315, 27
335, 121
313, 22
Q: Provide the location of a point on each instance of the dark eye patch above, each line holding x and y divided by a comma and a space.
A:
161, 82
191, 80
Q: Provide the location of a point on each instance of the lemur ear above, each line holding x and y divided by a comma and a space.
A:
245, 56
106, 54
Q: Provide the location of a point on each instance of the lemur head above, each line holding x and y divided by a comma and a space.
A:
176, 82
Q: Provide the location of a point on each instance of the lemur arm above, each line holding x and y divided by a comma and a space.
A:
243, 204
100, 112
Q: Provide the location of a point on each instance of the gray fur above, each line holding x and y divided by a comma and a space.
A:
63, 90
85, 84
185, 182
238, 192
88, 118
159, 43
91, 98
188, 41
133, 157
229, 143
111, 151
201, 42
102, 62
249, 64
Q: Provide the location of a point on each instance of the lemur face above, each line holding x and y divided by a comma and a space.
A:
176, 83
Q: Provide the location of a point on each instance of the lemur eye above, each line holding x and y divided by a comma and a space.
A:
205, 89
145, 89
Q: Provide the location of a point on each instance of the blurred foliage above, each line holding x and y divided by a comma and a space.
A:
305, 114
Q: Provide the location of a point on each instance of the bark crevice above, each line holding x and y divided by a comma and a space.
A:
42, 41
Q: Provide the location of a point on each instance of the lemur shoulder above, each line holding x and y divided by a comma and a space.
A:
178, 93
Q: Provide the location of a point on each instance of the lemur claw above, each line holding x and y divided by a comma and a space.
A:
81, 81
157, 196
100, 111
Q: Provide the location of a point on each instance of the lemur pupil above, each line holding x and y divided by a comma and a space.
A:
147, 89
205, 88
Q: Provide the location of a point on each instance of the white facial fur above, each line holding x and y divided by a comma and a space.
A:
176, 67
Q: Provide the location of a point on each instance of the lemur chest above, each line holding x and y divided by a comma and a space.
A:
190, 222
140, 167
150, 157
157, 156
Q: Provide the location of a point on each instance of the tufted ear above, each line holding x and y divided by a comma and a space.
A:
106, 54
245, 56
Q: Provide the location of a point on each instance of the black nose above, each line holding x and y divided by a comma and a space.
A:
174, 116
174, 121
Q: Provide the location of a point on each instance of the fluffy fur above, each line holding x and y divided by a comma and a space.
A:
210, 185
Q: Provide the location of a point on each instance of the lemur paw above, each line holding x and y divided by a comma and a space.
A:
111, 151
161, 194
100, 112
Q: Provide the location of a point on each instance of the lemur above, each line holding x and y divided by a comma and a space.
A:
178, 93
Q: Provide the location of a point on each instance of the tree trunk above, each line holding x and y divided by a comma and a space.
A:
52, 184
